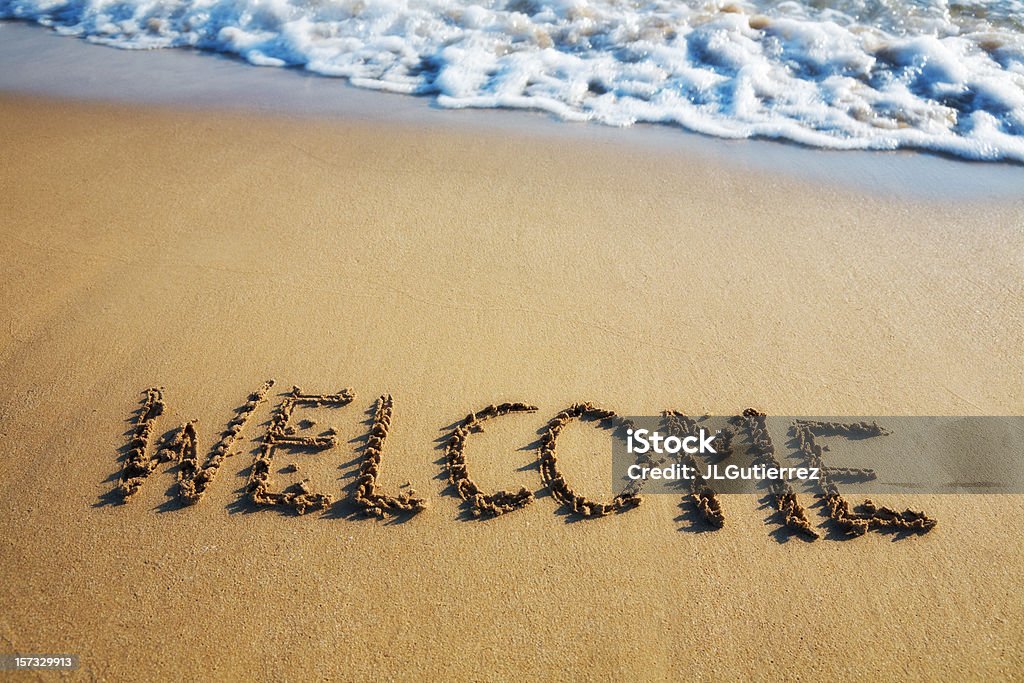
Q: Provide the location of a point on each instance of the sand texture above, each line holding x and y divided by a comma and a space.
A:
415, 285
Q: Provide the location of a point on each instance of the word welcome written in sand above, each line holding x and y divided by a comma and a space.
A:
194, 477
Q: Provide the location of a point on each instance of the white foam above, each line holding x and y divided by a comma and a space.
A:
861, 74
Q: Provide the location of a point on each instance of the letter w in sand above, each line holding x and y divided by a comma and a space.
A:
193, 478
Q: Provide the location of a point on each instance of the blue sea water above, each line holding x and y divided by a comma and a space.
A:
853, 74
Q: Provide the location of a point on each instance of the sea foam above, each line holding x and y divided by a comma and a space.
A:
858, 74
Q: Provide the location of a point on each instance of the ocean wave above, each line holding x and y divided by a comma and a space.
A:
858, 74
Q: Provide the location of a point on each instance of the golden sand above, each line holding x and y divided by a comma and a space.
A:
203, 253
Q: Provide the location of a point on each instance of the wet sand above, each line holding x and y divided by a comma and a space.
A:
207, 252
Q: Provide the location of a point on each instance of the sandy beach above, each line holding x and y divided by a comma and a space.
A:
206, 252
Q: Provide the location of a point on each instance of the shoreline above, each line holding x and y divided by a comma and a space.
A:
41, 63
754, 219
